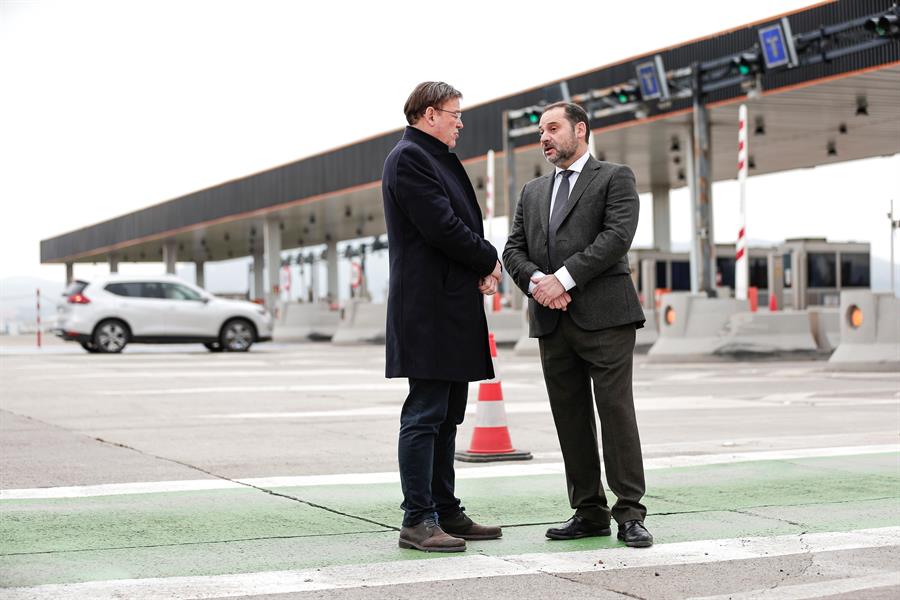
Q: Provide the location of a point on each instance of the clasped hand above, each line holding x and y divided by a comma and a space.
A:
488, 285
550, 292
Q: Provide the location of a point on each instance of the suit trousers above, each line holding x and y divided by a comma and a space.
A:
573, 359
428, 422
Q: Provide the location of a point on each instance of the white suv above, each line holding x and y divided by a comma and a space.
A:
106, 314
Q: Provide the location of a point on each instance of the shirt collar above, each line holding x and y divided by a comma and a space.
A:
576, 166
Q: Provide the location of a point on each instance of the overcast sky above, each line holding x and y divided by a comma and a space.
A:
108, 107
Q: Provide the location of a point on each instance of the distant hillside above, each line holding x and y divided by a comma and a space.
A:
17, 300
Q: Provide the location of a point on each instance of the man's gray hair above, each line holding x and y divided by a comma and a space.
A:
428, 93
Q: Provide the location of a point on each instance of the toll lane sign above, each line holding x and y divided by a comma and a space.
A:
777, 45
651, 77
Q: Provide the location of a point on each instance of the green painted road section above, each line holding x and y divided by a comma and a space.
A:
243, 531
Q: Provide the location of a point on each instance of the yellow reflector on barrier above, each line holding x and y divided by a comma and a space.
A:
669, 315
855, 316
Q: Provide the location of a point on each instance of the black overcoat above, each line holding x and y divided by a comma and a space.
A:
436, 327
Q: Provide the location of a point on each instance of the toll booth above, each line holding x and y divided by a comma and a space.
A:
802, 272
816, 270
654, 270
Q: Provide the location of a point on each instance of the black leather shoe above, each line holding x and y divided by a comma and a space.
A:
577, 527
634, 534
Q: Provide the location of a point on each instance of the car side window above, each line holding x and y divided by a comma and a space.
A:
174, 291
128, 289
151, 289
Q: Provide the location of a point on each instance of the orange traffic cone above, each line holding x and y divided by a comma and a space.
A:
490, 439
773, 302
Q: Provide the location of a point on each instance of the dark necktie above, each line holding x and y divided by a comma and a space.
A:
559, 208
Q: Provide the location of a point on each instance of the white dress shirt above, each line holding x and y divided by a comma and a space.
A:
576, 167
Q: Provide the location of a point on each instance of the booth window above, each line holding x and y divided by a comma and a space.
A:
681, 275
855, 269
661, 279
759, 272
822, 269
725, 266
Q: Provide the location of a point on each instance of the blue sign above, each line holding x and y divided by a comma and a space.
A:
651, 78
646, 73
775, 50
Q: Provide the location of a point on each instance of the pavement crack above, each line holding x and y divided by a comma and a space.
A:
245, 484
624, 593
750, 513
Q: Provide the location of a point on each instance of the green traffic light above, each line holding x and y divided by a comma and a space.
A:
623, 98
533, 118
743, 69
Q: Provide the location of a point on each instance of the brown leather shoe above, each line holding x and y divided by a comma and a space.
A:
427, 536
463, 527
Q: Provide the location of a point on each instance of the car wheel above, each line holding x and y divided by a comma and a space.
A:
89, 347
214, 347
237, 336
110, 336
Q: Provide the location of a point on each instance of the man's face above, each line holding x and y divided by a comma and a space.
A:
558, 140
446, 126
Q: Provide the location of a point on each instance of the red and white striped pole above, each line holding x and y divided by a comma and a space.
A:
38, 317
741, 262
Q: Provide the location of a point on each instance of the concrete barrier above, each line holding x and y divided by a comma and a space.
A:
825, 325
649, 333
525, 346
301, 322
704, 328
506, 326
870, 333
363, 323
692, 326
770, 333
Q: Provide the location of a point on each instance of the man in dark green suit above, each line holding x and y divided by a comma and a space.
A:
567, 251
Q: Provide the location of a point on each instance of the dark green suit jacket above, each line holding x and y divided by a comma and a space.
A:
592, 241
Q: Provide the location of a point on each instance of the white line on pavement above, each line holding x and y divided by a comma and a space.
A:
225, 372
504, 470
459, 567
641, 404
376, 386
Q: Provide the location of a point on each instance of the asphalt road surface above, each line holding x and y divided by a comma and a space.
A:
172, 472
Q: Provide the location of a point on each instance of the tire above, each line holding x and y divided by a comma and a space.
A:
214, 346
89, 346
237, 335
110, 336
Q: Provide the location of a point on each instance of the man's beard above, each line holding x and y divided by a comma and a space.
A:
563, 152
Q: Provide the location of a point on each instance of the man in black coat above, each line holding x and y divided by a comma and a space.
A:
440, 265
567, 251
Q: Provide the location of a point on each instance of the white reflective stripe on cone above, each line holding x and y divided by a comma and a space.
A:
490, 413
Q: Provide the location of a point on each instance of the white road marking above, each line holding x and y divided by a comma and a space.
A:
243, 389
227, 372
481, 472
641, 404
819, 589
378, 386
460, 567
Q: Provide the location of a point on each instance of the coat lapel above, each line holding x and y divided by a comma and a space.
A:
587, 175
